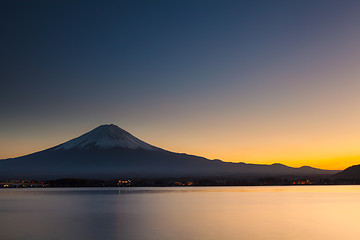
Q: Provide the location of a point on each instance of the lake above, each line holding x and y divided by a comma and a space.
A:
198, 213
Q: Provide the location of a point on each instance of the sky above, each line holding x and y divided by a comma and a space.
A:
243, 81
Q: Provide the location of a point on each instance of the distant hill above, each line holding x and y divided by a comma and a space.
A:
110, 152
350, 172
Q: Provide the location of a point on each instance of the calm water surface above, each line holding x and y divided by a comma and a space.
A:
199, 213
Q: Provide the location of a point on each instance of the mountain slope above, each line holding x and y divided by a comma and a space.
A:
109, 151
350, 172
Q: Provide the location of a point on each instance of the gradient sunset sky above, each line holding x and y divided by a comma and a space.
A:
243, 81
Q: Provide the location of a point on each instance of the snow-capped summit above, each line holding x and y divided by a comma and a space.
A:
105, 137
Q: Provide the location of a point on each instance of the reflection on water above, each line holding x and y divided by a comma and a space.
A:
294, 212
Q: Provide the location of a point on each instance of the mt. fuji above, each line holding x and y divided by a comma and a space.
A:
110, 152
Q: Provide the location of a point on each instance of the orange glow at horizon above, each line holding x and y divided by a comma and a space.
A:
324, 153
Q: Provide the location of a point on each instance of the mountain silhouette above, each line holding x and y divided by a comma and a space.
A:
109, 152
349, 173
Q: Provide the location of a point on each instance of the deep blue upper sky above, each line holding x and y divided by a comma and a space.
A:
163, 66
